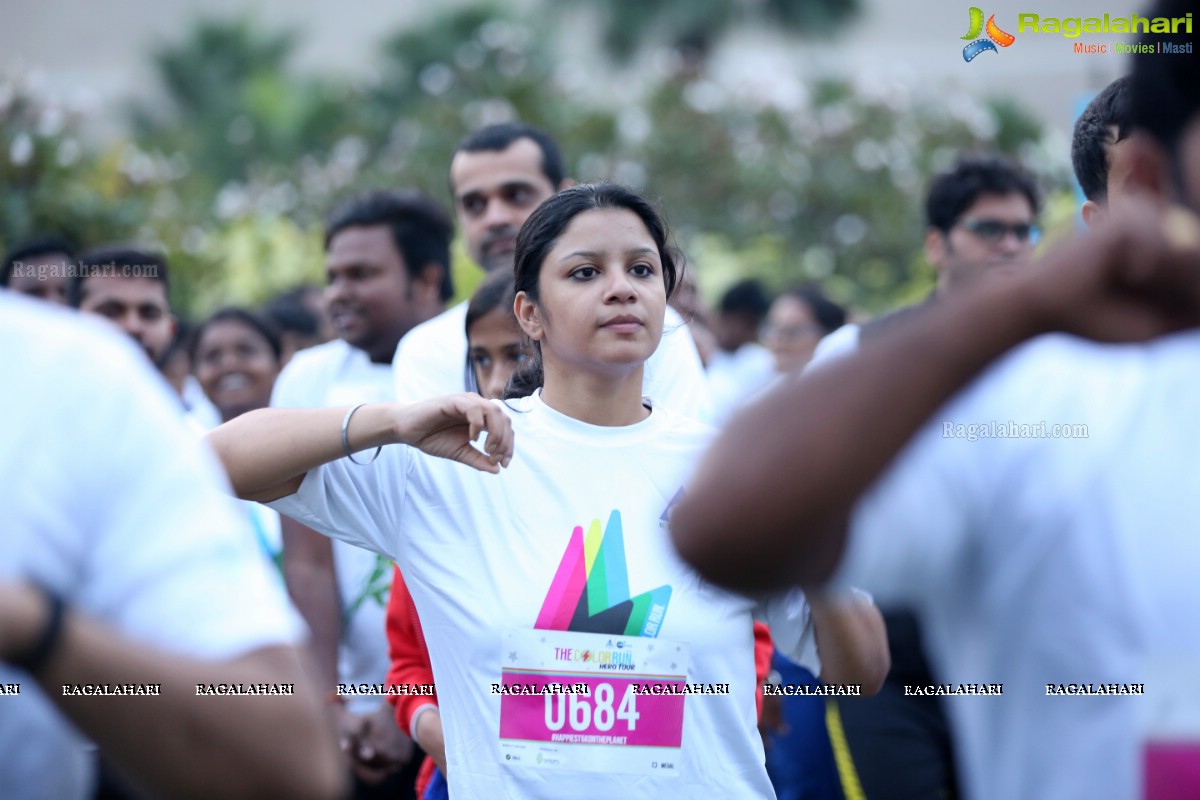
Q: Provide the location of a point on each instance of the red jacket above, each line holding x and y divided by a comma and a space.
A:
410, 664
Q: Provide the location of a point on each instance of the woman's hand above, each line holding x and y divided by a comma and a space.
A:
446, 426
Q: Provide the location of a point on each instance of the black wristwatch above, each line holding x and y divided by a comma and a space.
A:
37, 655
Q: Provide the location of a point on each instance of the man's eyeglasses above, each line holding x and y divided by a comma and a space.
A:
993, 231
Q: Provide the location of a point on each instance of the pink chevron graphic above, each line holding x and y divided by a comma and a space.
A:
568, 584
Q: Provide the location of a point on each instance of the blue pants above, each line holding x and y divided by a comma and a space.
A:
800, 761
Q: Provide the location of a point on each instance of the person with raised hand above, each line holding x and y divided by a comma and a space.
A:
567, 640
1030, 493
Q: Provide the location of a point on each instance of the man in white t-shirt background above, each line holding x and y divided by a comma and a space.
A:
740, 365
498, 176
37, 267
388, 261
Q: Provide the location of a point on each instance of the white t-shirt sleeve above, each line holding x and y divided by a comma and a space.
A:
358, 504
909, 530
833, 346
431, 359
293, 387
674, 375
113, 503
790, 620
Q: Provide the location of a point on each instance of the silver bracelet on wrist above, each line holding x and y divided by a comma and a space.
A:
346, 439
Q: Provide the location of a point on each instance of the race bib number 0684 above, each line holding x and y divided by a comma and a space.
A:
571, 701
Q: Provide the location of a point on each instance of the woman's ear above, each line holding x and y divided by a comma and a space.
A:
529, 316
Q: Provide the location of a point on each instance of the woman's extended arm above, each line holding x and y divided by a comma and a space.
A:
267, 452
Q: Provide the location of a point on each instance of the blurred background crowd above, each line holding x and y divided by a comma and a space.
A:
788, 140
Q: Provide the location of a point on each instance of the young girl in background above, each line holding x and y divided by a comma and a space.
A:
496, 347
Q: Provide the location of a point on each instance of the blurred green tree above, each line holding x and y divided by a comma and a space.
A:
464, 69
830, 192
233, 107
694, 26
52, 182
233, 174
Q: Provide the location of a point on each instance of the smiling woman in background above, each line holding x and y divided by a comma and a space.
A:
237, 355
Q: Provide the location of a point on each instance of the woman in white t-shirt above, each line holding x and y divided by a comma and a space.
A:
569, 641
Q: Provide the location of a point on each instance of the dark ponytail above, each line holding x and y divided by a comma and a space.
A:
529, 378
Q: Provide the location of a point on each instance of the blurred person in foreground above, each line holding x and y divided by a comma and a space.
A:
1057, 561
981, 216
125, 566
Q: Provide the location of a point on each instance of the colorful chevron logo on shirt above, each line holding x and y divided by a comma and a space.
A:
590, 590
